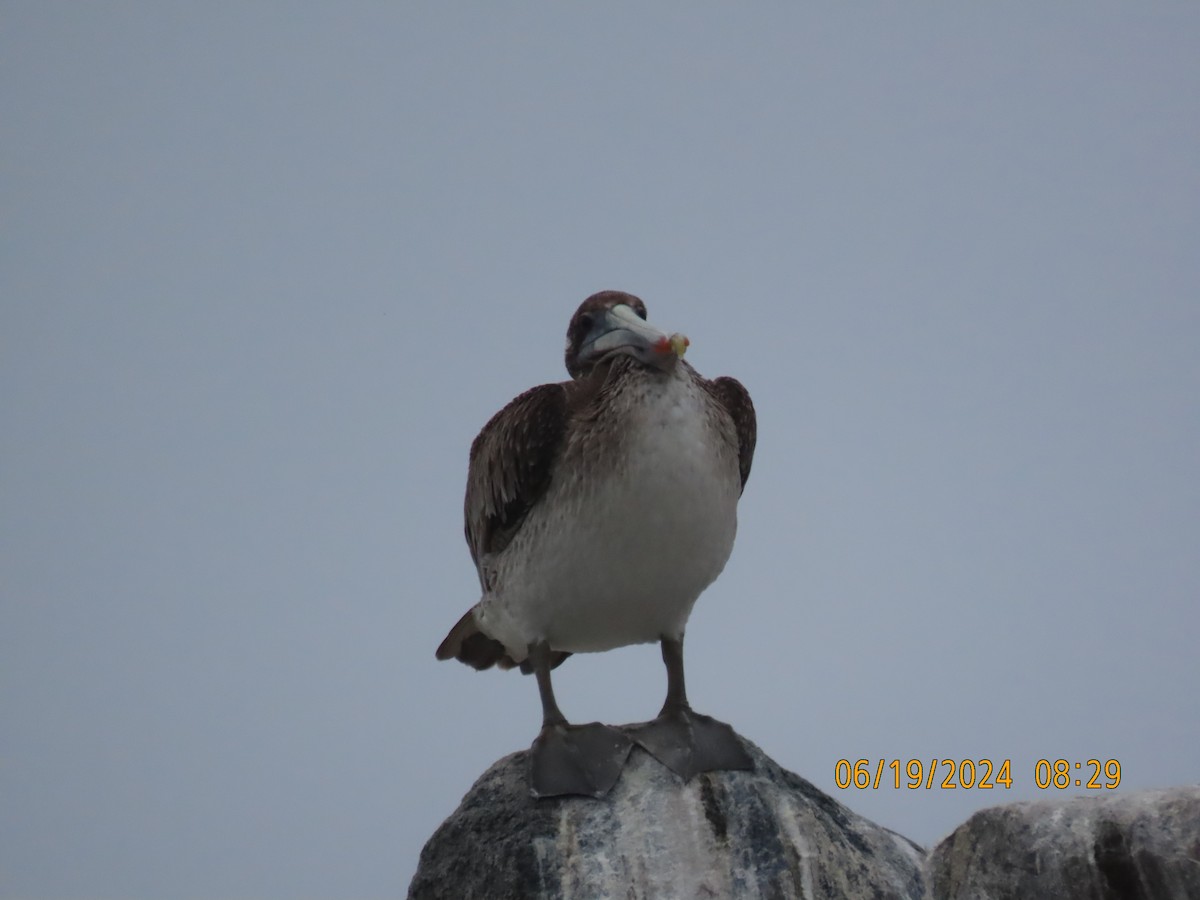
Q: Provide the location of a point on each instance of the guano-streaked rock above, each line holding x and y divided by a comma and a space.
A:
1143, 845
766, 833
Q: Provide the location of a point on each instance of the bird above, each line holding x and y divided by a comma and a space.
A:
597, 511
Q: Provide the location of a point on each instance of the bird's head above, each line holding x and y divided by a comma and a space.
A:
613, 323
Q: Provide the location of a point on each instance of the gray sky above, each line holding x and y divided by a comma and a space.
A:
267, 268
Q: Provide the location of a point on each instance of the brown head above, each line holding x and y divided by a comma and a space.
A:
613, 323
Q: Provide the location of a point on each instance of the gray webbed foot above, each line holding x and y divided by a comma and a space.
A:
689, 743
577, 759
684, 741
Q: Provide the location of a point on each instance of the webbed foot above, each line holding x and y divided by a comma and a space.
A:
689, 743
577, 759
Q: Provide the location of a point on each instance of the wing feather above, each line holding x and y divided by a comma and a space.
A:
512, 462
736, 400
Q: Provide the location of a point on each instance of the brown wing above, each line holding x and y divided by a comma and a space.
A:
736, 400
511, 464
512, 461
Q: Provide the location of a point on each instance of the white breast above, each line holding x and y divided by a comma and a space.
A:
631, 531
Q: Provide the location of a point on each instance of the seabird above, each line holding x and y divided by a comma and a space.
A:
597, 511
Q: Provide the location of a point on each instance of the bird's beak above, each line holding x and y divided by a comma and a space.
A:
620, 330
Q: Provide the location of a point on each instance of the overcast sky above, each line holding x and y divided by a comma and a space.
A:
268, 267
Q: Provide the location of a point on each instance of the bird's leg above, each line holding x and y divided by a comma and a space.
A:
676, 702
539, 655
685, 741
571, 759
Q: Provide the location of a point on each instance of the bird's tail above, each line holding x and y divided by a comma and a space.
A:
469, 645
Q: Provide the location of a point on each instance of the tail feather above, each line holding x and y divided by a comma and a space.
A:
468, 644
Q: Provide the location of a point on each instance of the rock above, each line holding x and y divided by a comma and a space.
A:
761, 833
1117, 847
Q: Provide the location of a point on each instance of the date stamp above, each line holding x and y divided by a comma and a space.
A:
973, 774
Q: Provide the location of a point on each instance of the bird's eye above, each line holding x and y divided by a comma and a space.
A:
585, 323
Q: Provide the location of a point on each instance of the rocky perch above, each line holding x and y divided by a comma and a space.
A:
765, 833
768, 833
1143, 845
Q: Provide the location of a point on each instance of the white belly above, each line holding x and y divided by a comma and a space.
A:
620, 557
